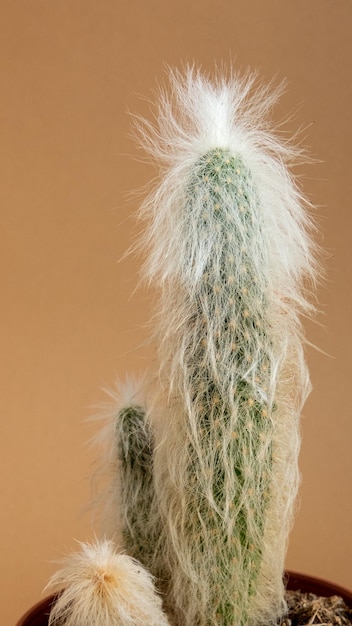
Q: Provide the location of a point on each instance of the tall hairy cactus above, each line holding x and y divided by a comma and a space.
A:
229, 245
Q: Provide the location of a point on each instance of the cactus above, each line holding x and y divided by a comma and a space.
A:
141, 521
130, 504
135, 456
229, 244
103, 588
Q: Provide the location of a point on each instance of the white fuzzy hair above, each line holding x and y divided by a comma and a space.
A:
226, 478
232, 114
99, 587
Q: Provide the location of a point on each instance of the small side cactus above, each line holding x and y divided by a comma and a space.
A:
130, 506
134, 452
141, 524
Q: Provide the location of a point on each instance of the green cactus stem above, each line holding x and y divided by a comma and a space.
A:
135, 455
234, 416
225, 377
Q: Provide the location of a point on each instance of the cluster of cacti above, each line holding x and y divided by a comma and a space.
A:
208, 472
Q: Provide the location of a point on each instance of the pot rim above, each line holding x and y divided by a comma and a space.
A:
294, 581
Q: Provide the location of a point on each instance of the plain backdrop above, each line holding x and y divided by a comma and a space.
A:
72, 320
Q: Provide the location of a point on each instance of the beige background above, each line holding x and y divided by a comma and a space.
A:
70, 71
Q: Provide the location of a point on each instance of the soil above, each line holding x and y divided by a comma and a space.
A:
305, 609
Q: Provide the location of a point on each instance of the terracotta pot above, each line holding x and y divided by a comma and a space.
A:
38, 614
